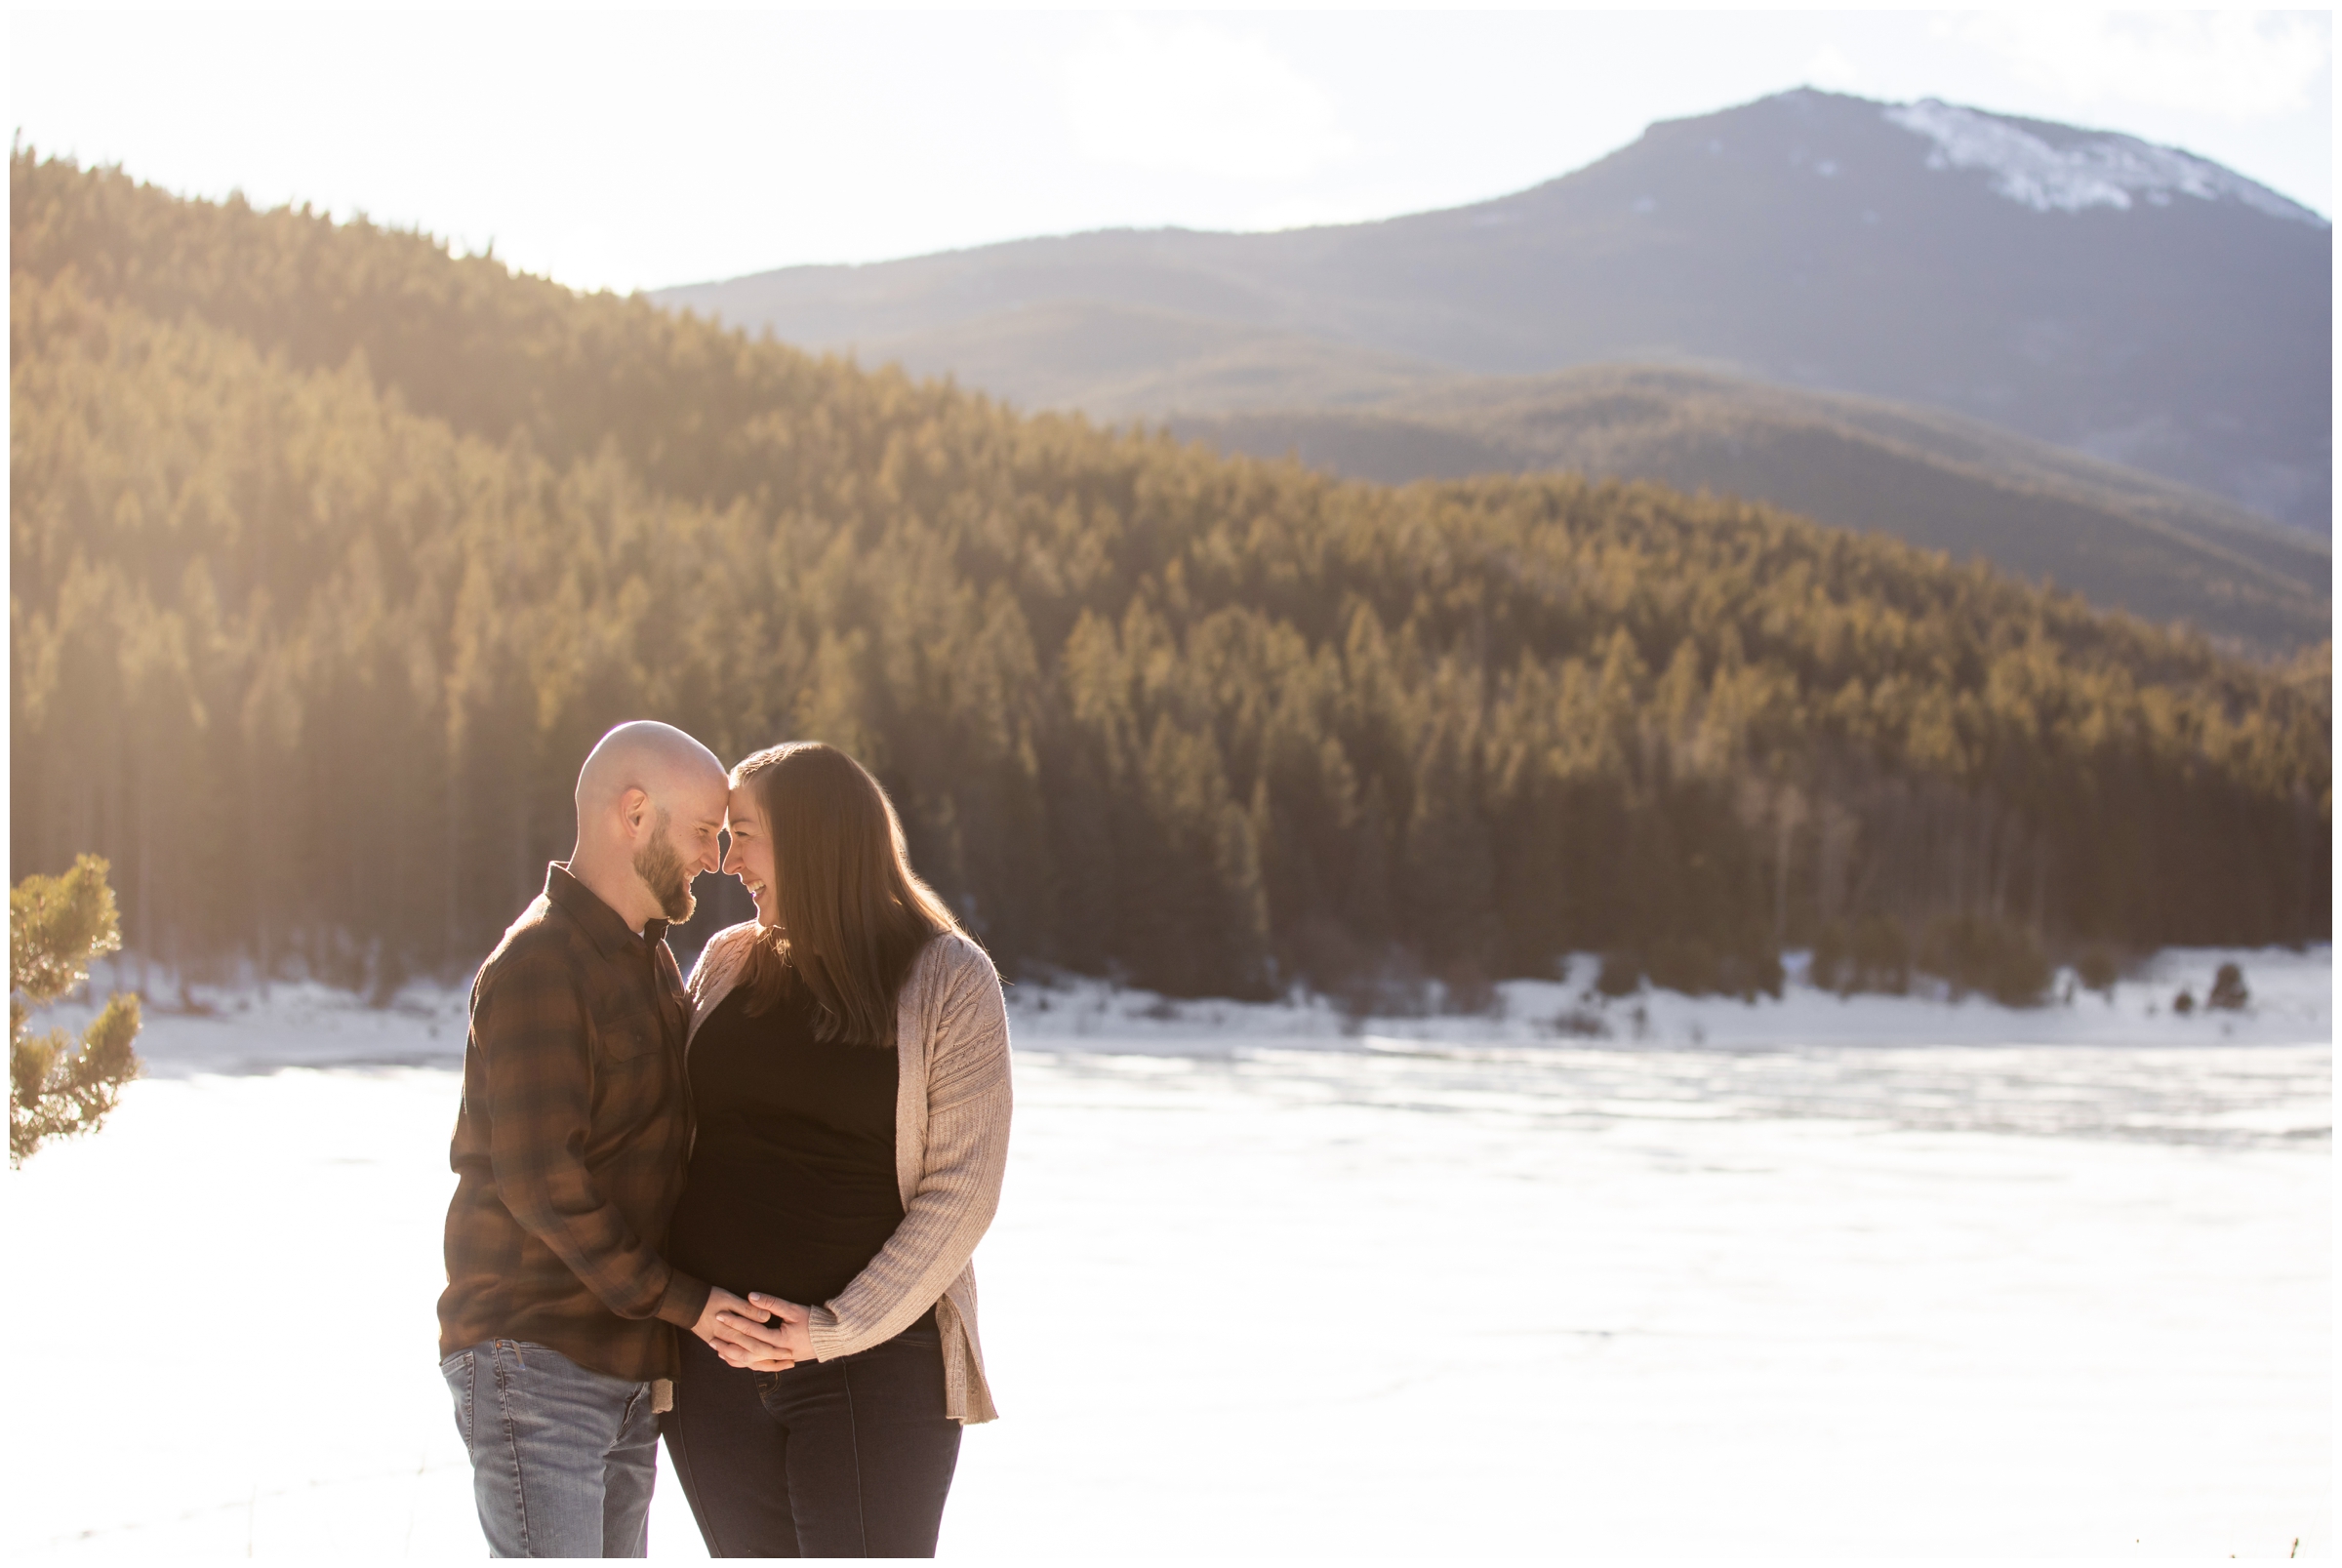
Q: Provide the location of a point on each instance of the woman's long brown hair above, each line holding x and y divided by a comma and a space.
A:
855, 913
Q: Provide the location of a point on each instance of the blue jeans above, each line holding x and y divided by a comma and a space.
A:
562, 1458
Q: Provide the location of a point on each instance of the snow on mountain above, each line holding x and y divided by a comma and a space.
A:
2098, 171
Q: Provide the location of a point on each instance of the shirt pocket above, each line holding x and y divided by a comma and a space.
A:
625, 1037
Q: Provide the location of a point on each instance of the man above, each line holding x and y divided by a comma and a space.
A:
569, 1148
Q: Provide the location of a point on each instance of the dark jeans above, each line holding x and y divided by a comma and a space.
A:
851, 1457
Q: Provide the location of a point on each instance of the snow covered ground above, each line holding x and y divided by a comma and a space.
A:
1882, 1276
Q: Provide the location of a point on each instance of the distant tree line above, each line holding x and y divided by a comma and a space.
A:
332, 554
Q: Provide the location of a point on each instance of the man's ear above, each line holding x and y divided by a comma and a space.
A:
635, 810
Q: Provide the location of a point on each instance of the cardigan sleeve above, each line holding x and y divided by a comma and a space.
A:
717, 967
968, 1104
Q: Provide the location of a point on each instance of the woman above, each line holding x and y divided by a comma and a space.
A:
849, 1074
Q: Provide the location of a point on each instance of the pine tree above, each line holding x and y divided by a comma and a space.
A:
56, 927
322, 540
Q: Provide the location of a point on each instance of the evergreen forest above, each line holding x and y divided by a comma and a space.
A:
332, 552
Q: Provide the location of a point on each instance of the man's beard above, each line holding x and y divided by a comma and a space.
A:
664, 872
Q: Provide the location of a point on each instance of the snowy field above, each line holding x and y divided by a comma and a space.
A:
1876, 1277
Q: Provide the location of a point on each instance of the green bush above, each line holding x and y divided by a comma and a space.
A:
2097, 970
1831, 967
1882, 955
1465, 987
1698, 967
1875, 955
1685, 964
1977, 954
1621, 975
1749, 975
2229, 994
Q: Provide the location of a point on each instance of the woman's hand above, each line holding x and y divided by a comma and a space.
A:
766, 1347
716, 1325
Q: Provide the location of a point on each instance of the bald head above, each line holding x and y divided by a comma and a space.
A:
656, 759
649, 807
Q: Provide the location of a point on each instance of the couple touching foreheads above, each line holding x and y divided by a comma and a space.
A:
788, 1158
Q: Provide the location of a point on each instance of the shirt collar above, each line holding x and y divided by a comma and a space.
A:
601, 922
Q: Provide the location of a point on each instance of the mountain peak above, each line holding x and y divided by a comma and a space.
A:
2075, 173
2133, 302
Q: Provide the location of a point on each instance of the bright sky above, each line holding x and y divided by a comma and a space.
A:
635, 149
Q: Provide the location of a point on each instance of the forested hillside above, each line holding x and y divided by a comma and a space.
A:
2121, 539
333, 552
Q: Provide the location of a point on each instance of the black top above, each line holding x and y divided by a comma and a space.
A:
791, 1189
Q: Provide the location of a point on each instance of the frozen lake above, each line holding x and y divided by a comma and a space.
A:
1259, 1286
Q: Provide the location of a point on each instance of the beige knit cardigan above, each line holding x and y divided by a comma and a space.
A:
951, 1108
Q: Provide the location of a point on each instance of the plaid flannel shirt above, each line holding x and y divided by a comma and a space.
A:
572, 1143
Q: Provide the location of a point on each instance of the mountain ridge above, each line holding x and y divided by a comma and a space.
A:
2081, 287
2122, 538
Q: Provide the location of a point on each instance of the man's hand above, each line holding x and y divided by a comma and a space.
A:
715, 1326
769, 1346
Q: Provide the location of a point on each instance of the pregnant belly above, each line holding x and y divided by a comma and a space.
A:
797, 1233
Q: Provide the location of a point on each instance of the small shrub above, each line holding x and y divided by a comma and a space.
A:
1749, 975
2098, 971
1621, 975
1394, 988
1881, 957
1874, 955
1327, 956
2184, 1004
2228, 993
1976, 953
1465, 987
390, 974
1698, 967
1832, 965
1685, 964
1578, 1022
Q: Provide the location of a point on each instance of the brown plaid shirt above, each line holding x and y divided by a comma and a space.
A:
571, 1144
